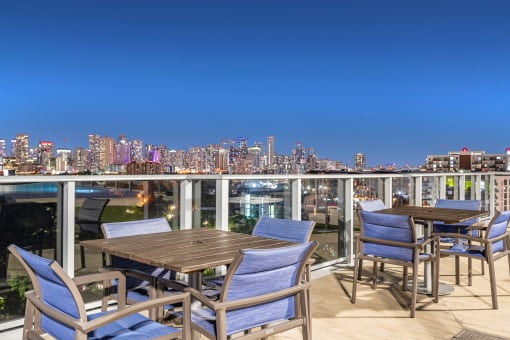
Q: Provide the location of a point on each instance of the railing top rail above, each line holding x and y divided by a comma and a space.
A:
88, 178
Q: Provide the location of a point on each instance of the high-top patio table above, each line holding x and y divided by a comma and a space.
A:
427, 216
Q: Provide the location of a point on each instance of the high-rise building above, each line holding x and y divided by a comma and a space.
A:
221, 157
93, 152
80, 159
123, 151
13, 148
270, 151
3, 148
359, 162
106, 153
45, 153
254, 154
137, 151
62, 160
21, 145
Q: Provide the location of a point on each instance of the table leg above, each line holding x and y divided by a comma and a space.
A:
425, 286
195, 281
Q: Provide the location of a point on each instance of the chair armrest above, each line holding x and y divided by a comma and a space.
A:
397, 243
87, 326
481, 225
261, 299
101, 276
462, 237
201, 297
183, 297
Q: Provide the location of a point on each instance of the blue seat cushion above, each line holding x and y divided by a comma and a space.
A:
134, 326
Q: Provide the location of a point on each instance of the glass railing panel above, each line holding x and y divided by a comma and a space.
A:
320, 203
428, 191
252, 198
163, 201
403, 189
204, 203
28, 218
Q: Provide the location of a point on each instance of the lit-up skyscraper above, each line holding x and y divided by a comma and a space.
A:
123, 154
106, 152
270, 151
93, 152
45, 153
359, 162
3, 148
21, 148
137, 151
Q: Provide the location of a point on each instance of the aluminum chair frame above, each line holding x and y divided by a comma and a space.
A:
55, 306
489, 247
392, 239
264, 293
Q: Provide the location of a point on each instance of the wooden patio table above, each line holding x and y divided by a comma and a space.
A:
188, 251
427, 215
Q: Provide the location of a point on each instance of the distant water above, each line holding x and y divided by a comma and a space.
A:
34, 190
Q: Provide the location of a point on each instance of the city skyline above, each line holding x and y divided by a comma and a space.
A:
395, 80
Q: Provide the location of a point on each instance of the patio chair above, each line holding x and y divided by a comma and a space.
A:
440, 227
89, 222
55, 307
391, 239
458, 228
280, 229
263, 294
371, 205
489, 247
142, 279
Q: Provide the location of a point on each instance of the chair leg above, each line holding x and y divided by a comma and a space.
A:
492, 275
437, 273
457, 270
355, 280
381, 268
415, 290
360, 268
374, 275
470, 271
405, 278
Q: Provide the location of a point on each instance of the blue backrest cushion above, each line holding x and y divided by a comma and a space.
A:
498, 227
263, 271
139, 227
460, 204
132, 228
387, 227
54, 292
372, 205
283, 229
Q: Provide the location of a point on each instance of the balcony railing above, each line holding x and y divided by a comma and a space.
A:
38, 212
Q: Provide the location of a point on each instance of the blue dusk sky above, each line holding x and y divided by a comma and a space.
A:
396, 80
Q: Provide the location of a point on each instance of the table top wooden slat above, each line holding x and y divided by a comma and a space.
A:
446, 215
183, 251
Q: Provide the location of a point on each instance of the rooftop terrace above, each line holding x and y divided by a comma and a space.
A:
382, 313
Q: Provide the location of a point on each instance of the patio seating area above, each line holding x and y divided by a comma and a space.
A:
381, 313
